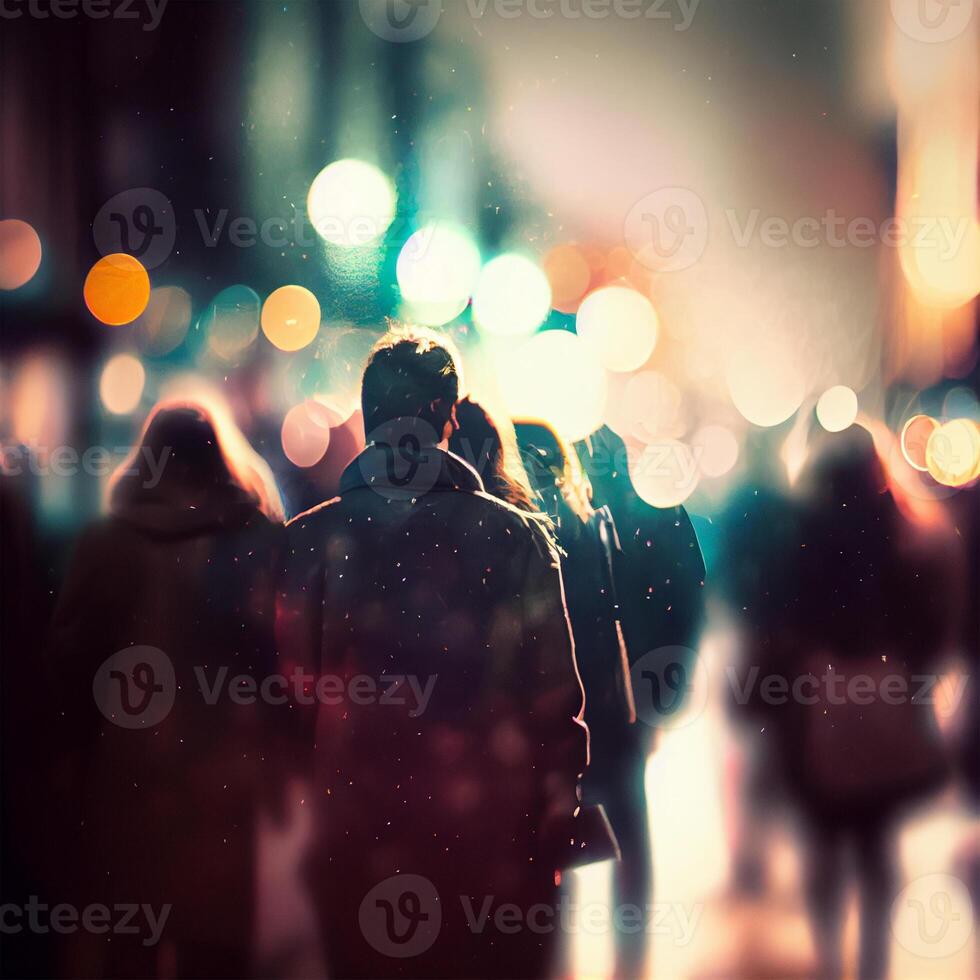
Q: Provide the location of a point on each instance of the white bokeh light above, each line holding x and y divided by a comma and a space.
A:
437, 271
351, 203
512, 297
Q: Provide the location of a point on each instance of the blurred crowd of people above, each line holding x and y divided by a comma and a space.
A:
456, 658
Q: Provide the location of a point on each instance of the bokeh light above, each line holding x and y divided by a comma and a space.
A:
231, 321
351, 203
20, 253
164, 323
437, 271
645, 408
953, 453
915, 438
961, 403
291, 317
512, 296
306, 432
620, 325
554, 378
569, 276
716, 450
765, 382
117, 289
837, 408
121, 385
665, 473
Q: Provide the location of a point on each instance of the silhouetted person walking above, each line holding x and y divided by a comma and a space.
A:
169, 599
447, 739
659, 576
867, 618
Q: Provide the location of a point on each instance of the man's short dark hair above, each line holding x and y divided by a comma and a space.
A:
406, 373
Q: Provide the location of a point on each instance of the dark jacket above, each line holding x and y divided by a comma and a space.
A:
445, 585
167, 808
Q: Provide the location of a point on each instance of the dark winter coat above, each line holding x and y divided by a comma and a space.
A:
168, 802
440, 583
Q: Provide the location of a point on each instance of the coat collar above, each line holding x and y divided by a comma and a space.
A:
398, 474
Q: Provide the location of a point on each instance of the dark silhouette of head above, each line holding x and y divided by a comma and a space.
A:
477, 440
411, 376
191, 454
553, 468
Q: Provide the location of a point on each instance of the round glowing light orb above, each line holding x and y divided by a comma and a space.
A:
915, 438
647, 407
291, 317
620, 325
665, 473
306, 433
569, 276
20, 253
351, 203
837, 408
231, 321
164, 323
553, 377
121, 384
953, 453
437, 271
117, 289
765, 383
716, 450
961, 403
512, 297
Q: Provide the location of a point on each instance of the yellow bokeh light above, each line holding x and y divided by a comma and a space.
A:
665, 473
121, 385
20, 253
915, 438
765, 382
351, 203
291, 317
512, 297
117, 289
553, 378
953, 453
620, 325
437, 271
306, 433
837, 408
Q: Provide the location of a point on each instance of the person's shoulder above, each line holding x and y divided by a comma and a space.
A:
532, 529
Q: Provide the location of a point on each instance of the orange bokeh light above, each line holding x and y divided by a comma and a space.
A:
20, 253
568, 275
117, 289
